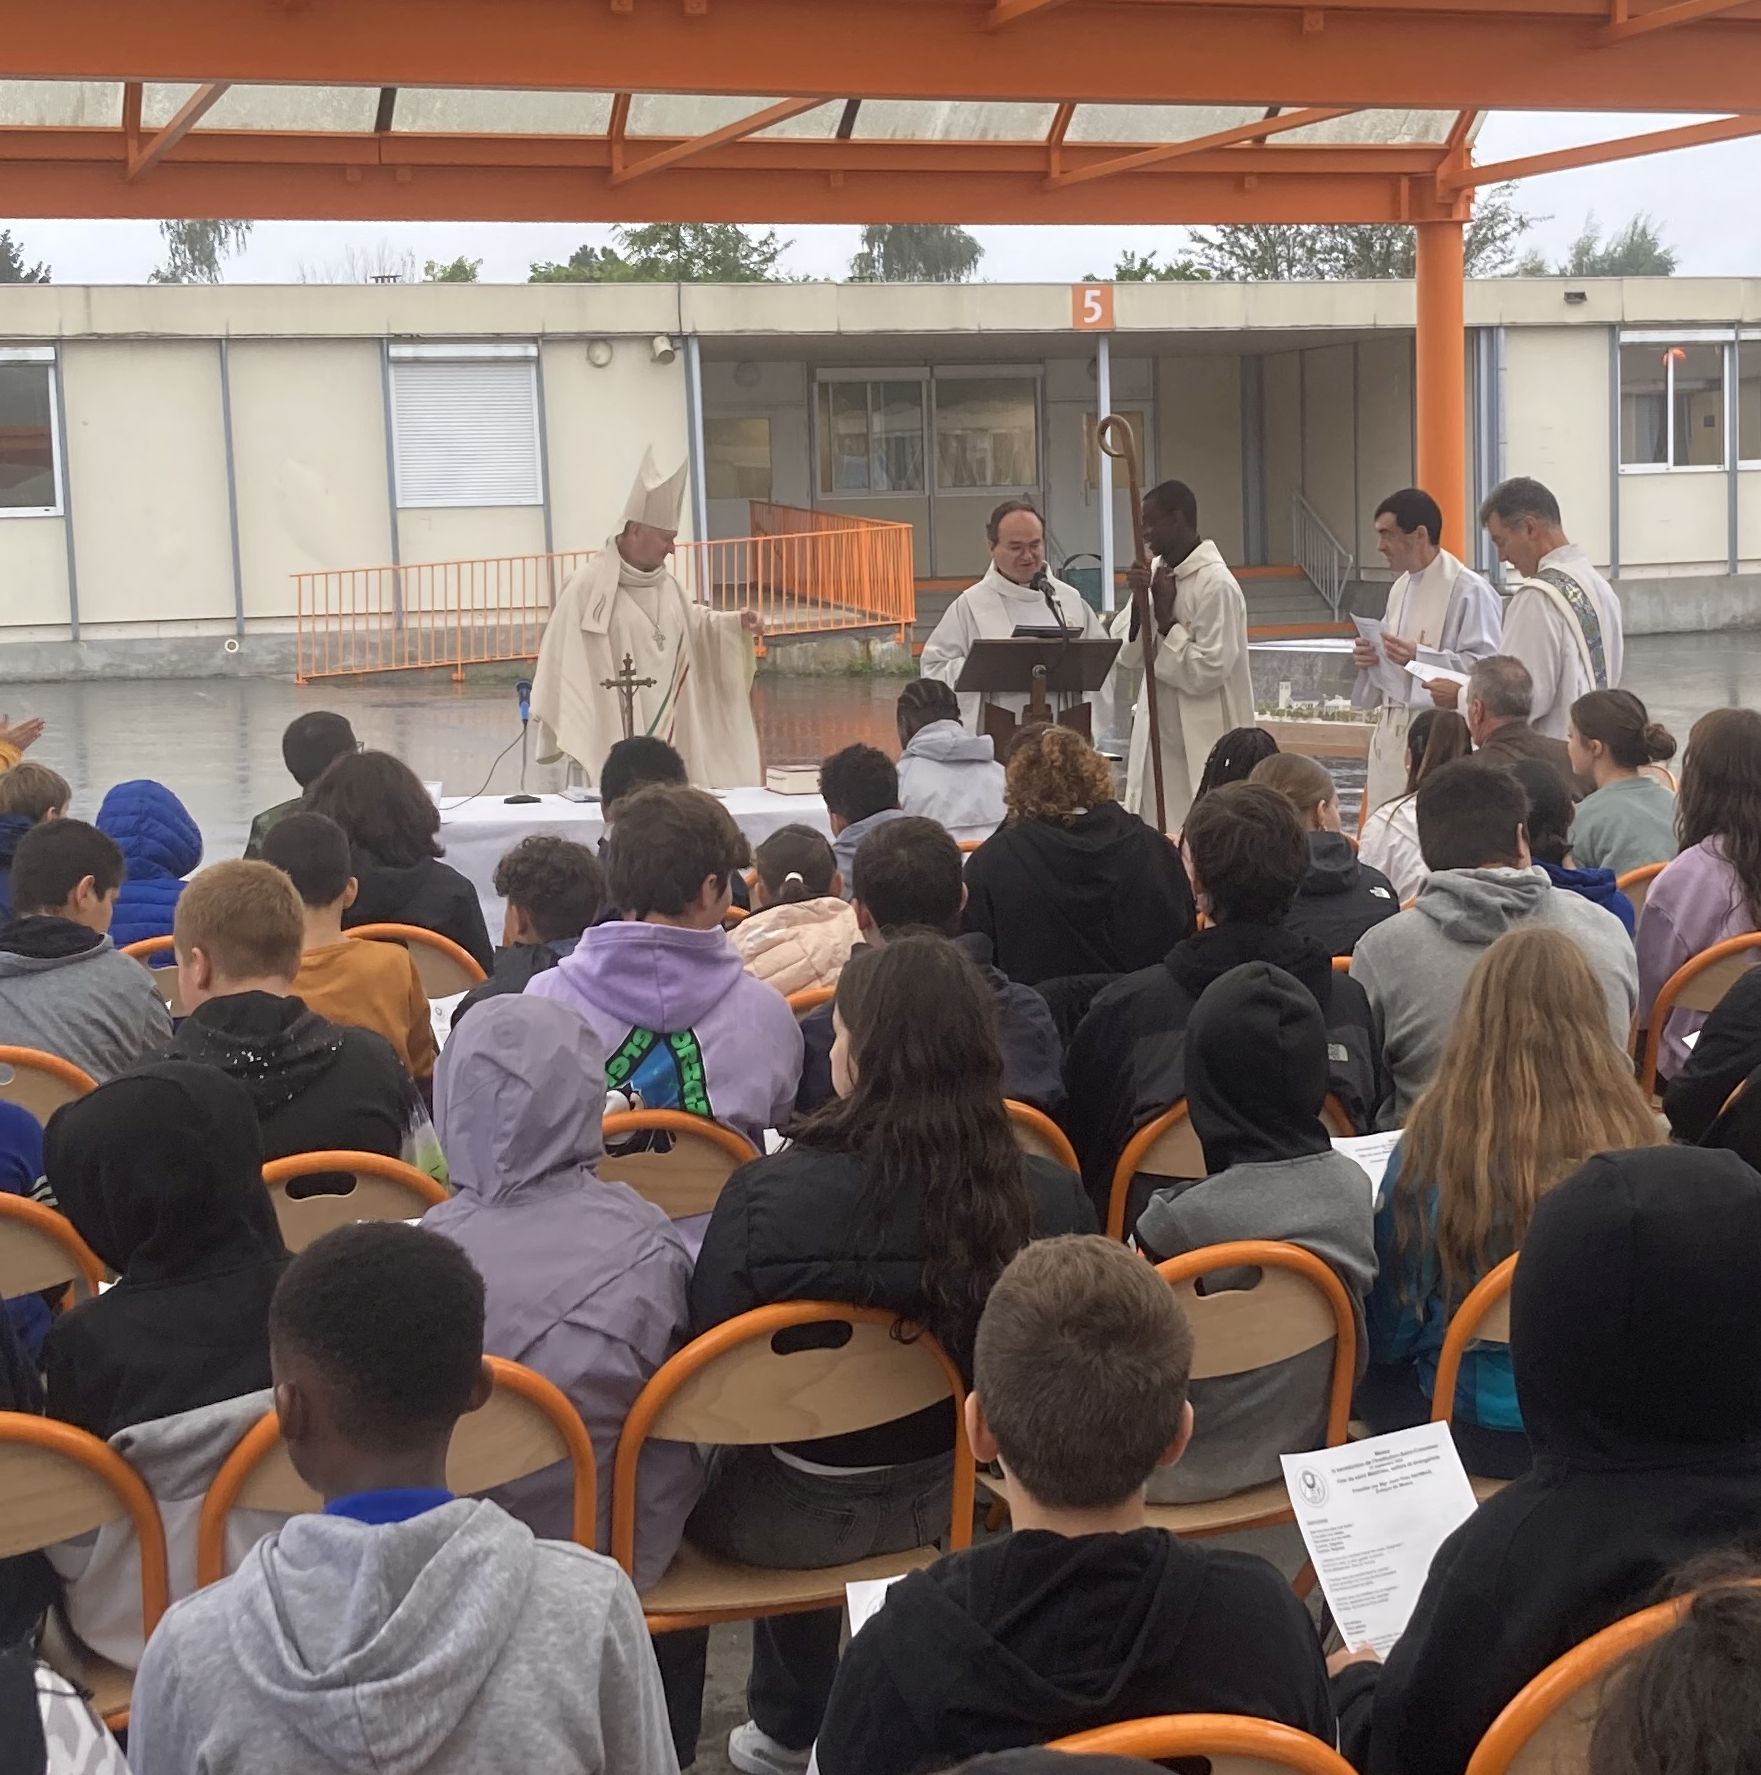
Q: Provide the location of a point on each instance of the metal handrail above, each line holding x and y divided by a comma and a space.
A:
1324, 559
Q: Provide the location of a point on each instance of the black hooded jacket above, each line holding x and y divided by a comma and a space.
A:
1637, 1353
161, 1172
428, 893
1037, 1635
1340, 898
1102, 894
1127, 1061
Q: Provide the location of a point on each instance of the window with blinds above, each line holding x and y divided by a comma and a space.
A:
465, 429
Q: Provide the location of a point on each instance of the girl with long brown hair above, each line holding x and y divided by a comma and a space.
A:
1531, 1085
1389, 840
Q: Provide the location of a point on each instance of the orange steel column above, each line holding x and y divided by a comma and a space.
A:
1441, 392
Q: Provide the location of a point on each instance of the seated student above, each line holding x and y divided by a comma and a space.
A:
1126, 1064
316, 1086
584, 1280
1389, 840
391, 823
860, 786
1725, 1056
21, 1168
1084, 1615
402, 1628
683, 1025
1482, 884
64, 987
30, 793
362, 984
945, 773
907, 1193
1529, 1087
907, 878
1549, 826
1235, 758
1072, 883
554, 891
1497, 701
310, 744
160, 845
1637, 1353
1629, 819
1712, 890
1256, 1076
802, 927
1340, 897
644, 762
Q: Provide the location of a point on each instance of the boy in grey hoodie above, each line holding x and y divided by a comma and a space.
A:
403, 1630
1415, 965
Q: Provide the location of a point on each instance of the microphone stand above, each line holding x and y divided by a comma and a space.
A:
522, 799
1044, 586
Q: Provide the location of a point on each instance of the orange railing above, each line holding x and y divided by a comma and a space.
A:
806, 572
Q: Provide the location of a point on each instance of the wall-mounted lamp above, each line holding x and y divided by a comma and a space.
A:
599, 353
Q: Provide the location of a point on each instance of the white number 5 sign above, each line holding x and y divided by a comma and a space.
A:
1091, 308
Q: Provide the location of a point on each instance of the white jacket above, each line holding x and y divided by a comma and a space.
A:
953, 777
1390, 842
801, 944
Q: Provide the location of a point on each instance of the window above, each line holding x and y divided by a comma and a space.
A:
737, 457
987, 432
1749, 400
465, 425
30, 484
870, 437
1671, 402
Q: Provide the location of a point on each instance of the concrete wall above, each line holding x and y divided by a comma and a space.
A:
1556, 424
33, 571
1384, 436
1679, 519
1283, 457
1198, 419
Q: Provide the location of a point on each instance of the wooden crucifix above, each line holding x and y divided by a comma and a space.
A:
625, 682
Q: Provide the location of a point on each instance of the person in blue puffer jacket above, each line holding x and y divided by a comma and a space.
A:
1549, 829
161, 844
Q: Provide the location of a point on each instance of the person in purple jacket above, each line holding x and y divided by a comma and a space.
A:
684, 1026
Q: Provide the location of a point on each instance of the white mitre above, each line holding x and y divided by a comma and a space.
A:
656, 499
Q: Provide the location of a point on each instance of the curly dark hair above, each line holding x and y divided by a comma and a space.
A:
558, 885
380, 804
1055, 775
1720, 795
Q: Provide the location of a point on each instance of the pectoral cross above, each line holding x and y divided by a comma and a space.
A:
626, 684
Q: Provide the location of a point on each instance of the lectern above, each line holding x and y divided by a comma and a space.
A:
1056, 674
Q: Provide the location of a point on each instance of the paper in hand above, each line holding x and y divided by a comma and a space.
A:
1370, 1153
1384, 674
863, 1598
1424, 671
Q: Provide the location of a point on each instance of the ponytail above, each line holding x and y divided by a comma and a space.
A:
1619, 721
795, 863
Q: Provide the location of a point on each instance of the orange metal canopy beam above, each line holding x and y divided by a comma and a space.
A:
698, 145
1665, 18
189, 115
1662, 141
1006, 12
1256, 131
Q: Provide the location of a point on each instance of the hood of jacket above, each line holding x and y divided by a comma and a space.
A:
519, 1098
13, 827
152, 829
1256, 1069
384, 890
33, 945
1635, 1340
653, 976
947, 742
274, 1047
372, 1643
1333, 865
161, 1173
1596, 885
1477, 906
1208, 955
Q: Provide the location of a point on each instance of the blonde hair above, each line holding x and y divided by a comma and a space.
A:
33, 790
1054, 775
246, 917
1300, 780
1530, 1086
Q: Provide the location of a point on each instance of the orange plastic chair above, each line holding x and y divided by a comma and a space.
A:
1246, 1746
1168, 1147
385, 1189
1697, 985
1636, 884
1342, 964
445, 968
1035, 1132
60, 1482
164, 978
1484, 1317
686, 1179
734, 916
810, 998
969, 845
40, 1082
734, 1386
39, 1249
527, 1425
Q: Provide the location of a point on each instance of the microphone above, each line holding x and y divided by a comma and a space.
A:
523, 690
1041, 584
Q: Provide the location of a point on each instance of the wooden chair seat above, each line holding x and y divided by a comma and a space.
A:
700, 1583
110, 1685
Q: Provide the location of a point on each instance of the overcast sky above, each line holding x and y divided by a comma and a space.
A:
1696, 196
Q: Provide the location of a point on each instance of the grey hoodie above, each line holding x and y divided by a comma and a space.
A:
1415, 966
952, 776
71, 992
451, 1643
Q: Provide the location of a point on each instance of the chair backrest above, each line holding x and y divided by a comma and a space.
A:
1035, 1132
969, 845
810, 998
686, 1179
1297, 1305
40, 1082
1234, 1744
763, 1377
445, 969
39, 1249
1342, 964
384, 1189
733, 916
527, 1425
163, 976
1636, 884
60, 1482
1697, 985
1483, 1318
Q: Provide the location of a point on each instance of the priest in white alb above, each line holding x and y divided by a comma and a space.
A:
626, 602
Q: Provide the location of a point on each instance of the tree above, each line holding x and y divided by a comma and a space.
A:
1261, 252
1637, 250
672, 252
194, 250
1146, 268
456, 271
13, 269
381, 263
915, 253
